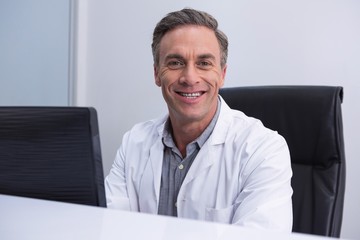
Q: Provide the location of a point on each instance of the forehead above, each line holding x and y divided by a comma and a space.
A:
190, 39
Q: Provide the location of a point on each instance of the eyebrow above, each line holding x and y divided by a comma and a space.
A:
201, 56
174, 55
207, 56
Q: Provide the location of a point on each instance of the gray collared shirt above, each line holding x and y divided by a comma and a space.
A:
175, 167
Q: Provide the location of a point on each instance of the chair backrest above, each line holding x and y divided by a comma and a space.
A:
51, 153
310, 119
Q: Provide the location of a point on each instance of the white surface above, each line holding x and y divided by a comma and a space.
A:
312, 42
32, 219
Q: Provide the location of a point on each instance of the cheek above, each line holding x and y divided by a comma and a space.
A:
162, 79
221, 81
160, 76
215, 78
166, 78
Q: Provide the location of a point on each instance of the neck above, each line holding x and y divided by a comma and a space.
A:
185, 132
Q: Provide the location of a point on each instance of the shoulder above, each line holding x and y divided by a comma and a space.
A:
255, 145
146, 131
242, 128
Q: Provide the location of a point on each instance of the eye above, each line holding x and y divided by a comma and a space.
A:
175, 64
204, 64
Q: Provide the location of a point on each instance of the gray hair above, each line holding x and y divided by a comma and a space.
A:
184, 17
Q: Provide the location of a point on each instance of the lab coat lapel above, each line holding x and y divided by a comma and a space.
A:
151, 178
202, 161
206, 155
156, 159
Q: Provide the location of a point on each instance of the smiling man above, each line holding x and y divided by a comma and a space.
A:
202, 160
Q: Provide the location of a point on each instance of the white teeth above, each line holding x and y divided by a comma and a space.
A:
191, 95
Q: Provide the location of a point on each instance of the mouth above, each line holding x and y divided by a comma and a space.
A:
190, 95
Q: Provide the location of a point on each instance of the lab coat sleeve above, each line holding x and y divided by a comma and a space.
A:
265, 201
117, 196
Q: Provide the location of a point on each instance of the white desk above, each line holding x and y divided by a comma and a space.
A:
25, 218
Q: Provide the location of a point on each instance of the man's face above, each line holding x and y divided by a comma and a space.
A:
189, 73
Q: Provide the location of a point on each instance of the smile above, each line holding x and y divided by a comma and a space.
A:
190, 95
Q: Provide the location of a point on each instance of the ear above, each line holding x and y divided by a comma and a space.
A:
223, 74
156, 76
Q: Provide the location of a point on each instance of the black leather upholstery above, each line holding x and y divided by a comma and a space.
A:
51, 153
310, 119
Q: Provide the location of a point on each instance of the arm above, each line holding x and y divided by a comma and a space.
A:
115, 183
265, 198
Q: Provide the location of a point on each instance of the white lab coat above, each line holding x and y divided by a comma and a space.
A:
240, 176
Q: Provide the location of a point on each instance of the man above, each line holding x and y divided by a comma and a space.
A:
202, 160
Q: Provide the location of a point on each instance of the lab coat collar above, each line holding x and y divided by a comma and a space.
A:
221, 128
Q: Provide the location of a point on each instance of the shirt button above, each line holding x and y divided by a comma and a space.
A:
181, 167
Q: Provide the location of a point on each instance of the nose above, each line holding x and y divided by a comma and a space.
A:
189, 75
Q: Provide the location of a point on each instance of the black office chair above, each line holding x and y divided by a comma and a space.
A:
51, 153
310, 119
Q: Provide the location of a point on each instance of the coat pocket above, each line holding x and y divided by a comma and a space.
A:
222, 215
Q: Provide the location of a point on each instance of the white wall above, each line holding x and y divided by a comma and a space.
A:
315, 42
